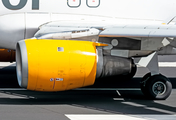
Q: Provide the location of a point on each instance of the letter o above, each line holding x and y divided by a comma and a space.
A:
8, 5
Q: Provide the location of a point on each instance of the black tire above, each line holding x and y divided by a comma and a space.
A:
158, 87
143, 83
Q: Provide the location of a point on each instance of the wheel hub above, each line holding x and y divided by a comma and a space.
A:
159, 88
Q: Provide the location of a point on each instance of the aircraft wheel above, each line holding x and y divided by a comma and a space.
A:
158, 87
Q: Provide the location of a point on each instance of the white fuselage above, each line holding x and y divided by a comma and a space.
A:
20, 19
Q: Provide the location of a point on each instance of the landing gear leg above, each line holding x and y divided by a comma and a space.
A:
154, 85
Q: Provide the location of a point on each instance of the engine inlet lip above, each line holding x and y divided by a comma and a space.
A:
22, 64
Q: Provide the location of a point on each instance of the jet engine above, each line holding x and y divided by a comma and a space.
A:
58, 65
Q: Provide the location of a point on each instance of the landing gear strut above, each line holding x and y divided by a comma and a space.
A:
156, 87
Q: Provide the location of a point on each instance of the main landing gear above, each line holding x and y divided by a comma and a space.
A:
156, 86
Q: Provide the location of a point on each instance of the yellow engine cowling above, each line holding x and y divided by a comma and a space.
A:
56, 65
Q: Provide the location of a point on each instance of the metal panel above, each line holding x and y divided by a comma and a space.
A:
12, 30
33, 21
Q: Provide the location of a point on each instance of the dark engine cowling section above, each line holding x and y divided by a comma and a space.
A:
114, 66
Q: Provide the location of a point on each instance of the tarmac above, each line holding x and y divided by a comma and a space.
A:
122, 104
116, 99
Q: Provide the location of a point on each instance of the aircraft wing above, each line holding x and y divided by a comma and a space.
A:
145, 39
110, 30
138, 32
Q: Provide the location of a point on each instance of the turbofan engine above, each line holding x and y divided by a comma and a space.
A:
58, 65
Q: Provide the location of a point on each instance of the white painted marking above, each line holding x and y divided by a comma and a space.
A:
118, 93
133, 104
167, 64
164, 64
120, 117
4, 64
17, 89
118, 99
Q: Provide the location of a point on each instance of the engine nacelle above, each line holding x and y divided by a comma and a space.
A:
58, 65
55, 65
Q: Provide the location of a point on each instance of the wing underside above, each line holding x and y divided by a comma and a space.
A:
122, 40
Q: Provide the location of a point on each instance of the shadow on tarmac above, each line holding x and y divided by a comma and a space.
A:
128, 102
111, 101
